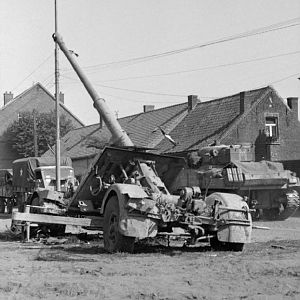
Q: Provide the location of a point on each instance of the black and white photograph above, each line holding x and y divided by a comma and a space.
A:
150, 150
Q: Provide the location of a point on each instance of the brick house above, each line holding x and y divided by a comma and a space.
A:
260, 117
35, 98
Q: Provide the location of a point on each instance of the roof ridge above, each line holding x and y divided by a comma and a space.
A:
140, 113
233, 95
38, 84
18, 96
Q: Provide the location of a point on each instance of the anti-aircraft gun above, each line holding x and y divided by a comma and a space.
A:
268, 188
126, 191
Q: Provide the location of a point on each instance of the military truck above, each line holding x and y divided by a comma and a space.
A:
7, 198
266, 186
34, 180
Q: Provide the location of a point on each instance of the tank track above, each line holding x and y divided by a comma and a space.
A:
288, 208
291, 205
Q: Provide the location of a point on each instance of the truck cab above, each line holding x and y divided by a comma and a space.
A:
45, 178
35, 178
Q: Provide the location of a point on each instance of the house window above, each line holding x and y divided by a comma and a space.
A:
271, 128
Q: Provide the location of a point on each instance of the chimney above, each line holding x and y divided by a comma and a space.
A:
148, 108
292, 103
8, 97
192, 102
243, 107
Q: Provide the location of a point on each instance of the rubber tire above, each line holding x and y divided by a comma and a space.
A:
225, 246
9, 205
53, 229
35, 202
114, 241
2, 205
20, 203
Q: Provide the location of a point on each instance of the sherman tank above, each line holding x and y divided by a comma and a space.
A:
270, 191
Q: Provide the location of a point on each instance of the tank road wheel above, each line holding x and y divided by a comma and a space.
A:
113, 240
288, 208
291, 205
225, 246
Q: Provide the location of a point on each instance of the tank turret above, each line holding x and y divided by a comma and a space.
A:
221, 154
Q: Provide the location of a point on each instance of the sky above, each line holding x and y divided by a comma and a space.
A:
128, 50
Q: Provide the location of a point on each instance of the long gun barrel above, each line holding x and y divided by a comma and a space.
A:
119, 136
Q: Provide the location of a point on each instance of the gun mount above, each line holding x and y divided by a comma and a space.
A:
128, 191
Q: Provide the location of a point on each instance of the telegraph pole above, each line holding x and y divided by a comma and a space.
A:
57, 152
35, 142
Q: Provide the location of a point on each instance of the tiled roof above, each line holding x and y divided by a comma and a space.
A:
143, 130
36, 97
208, 122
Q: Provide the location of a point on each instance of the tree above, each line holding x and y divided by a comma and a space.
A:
21, 132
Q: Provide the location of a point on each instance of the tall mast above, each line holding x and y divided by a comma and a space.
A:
57, 153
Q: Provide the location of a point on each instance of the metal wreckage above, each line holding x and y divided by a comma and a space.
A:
126, 193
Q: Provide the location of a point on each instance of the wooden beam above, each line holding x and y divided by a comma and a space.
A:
51, 219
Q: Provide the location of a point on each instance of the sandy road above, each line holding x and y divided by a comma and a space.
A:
268, 268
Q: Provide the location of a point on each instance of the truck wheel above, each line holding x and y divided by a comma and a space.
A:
20, 203
113, 240
10, 205
225, 246
35, 202
237, 247
52, 229
2, 205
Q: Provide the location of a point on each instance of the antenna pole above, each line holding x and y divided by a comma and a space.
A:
57, 152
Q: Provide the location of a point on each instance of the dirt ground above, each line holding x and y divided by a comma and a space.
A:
268, 268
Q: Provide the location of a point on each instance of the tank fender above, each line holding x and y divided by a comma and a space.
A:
135, 226
233, 226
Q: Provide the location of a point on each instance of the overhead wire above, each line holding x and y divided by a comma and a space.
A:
140, 91
131, 90
185, 71
203, 68
137, 101
41, 64
262, 30
258, 31
285, 78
